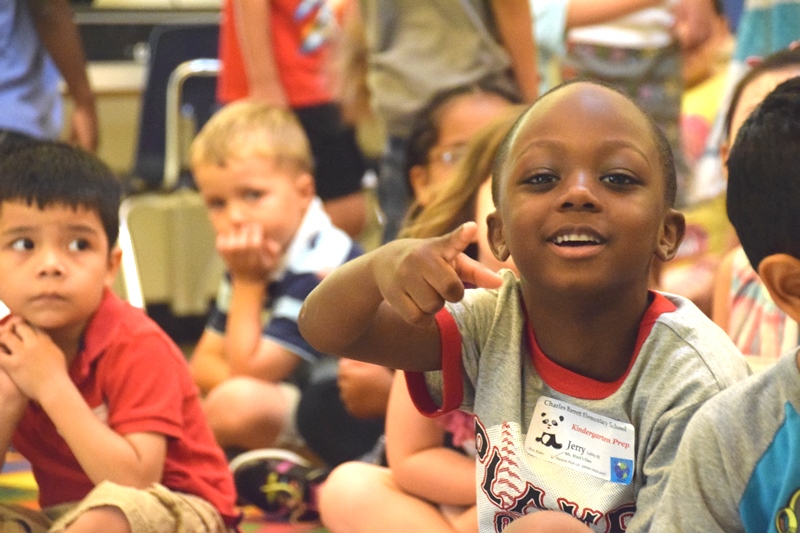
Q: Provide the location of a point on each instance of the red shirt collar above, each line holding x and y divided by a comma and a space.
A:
100, 331
568, 382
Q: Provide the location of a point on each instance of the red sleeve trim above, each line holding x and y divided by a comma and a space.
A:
453, 384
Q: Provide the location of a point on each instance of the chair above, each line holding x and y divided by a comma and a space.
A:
168, 252
170, 46
166, 238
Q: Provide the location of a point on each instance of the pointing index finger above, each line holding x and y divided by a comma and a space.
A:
457, 240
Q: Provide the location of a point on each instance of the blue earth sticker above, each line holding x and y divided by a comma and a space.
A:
621, 470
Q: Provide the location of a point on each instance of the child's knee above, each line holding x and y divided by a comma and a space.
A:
235, 402
346, 489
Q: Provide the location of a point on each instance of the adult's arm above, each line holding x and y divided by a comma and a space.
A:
254, 32
515, 24
588, 12
58, 33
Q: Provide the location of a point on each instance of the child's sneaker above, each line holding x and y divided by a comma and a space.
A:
279, 482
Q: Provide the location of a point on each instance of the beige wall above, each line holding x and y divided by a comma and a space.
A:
118, 89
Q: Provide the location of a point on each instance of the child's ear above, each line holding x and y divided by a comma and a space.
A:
781, 276
497, 241
306, 185
671, 235
114, 262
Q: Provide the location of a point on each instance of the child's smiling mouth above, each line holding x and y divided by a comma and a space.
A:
577, 242
576, 239
576, 236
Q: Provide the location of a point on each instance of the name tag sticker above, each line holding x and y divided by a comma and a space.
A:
568, 435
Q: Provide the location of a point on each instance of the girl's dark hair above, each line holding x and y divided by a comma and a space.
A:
49, 173
776, 61
425, 128
454, 203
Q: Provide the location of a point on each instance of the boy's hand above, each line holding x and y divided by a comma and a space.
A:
417, 276
364, 388
29, 357
10, 395
247, 254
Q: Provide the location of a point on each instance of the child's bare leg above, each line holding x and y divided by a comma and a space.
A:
363, 498
546, 522
106, 519
246, 412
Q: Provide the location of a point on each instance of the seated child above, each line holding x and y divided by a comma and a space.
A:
581, 379
441, 131
465, 196
92, 392
253, 167
742, 305
738, 468
442, 138
429, 483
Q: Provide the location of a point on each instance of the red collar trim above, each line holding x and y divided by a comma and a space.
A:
568, 382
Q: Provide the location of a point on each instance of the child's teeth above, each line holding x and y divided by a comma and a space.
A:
574, 238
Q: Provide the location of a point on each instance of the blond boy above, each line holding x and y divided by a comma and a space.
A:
253, 167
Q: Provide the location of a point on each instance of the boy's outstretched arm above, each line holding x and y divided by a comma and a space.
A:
38, 368
380, 307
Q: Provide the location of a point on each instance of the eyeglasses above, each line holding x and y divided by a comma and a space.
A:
448, 155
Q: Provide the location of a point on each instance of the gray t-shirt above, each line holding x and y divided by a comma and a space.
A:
600, 451
417, 49
738, 466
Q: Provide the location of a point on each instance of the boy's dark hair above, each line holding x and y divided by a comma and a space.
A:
776, 61
662, 144
763, 196
425, 127
52, 173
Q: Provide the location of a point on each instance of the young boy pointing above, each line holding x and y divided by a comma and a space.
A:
581, 379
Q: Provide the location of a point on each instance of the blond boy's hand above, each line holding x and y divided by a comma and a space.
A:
30, 357
247, 254
417, 276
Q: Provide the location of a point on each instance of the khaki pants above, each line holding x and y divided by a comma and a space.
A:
153, 510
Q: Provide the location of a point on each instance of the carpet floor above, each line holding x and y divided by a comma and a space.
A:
18, 487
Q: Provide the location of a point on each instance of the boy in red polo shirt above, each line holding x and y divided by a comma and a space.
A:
92, 392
